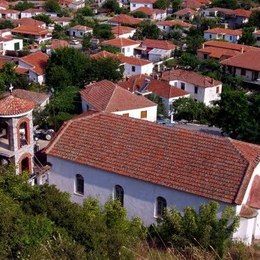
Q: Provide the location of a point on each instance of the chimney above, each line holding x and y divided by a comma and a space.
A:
226, 25
203, 46
242, 50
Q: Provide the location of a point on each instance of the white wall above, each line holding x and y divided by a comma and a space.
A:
78, 33
9, 45
205, 95
129, 50
134, 6
140, 196
248, 75
136, 113
226, 37
145, 69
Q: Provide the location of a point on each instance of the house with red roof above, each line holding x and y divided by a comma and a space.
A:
34, 66
121, 31
29, 13
166, 26
80, 31
4, 5
126, 46
149, 167
124, 19
185, 14
221, 50
201, 88
8, 42
135, 4
152, 13
145, 85
225, 34
245, 65
9, 14
109, 97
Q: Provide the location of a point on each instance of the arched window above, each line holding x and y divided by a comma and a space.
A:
24, 134
119, 194
161, 206
79, 184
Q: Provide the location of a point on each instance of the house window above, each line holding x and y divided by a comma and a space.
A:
79, 187
210, 36
17, 46
230, 38
196, 90
134, 5
217, 90
143, 114
123, 50
182, 86
243, 72
175, 84
161, 206
205, 56
133, 68
119, 194
126, 114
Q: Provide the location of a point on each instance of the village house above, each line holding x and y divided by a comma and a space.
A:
201, 88
145, 85
151, 13
245, 65
34, 66
62, 21
187, 14
30, 22
104, 155
56, 44
256, 34
109, 97
228, 35
29, 13
166, 26
72, 4
4, 5
135, 4
123, 31
80, 31
32, 33
156, 50
194, 4
8, 42
124, 19
126, 46
221, 50
9, 14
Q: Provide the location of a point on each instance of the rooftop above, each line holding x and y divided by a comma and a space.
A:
30, 29
120, 42
108, 96
190, 77
214, 167
219, 30
125, 19
159, 44
175, 22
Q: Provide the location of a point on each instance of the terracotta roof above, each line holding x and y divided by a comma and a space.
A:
120, 42
81, 28
125, 19
175, 22
143, 1
190, 77
254, 196
242, 13
217, 53
30, 29
247, 212
34, 10
158, 87
37, 61
249, 60
36, 97
11, 105
29, 22
56, 44
20, 70
219, 30
193, 4
159, 44
133, 60
205, 165
185, 11
145, 10
119, 30
9, 11
4, 4
102, 54
107, 96
257, 32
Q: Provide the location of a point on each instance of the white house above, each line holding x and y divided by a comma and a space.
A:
29, 13
8, 42
123, 31
228, 35
109, 97
34, 66
145, 85
201, 88
151, 13
79, 31
245, 65
149, 167
75, 5
126, 46
135, 4
9, 14
166, 26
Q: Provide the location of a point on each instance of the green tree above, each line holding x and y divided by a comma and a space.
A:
103, 31
43, 18
112, 6
230, 4
247, 36
86, 42
203, 228
6, 24
194, 40
147, 29
176, 5
140, 14
189, 60
86, 11
52, 6
162, 4
21, 6
59, 32
254, 19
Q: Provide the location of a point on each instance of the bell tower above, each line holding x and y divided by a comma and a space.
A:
16, 133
